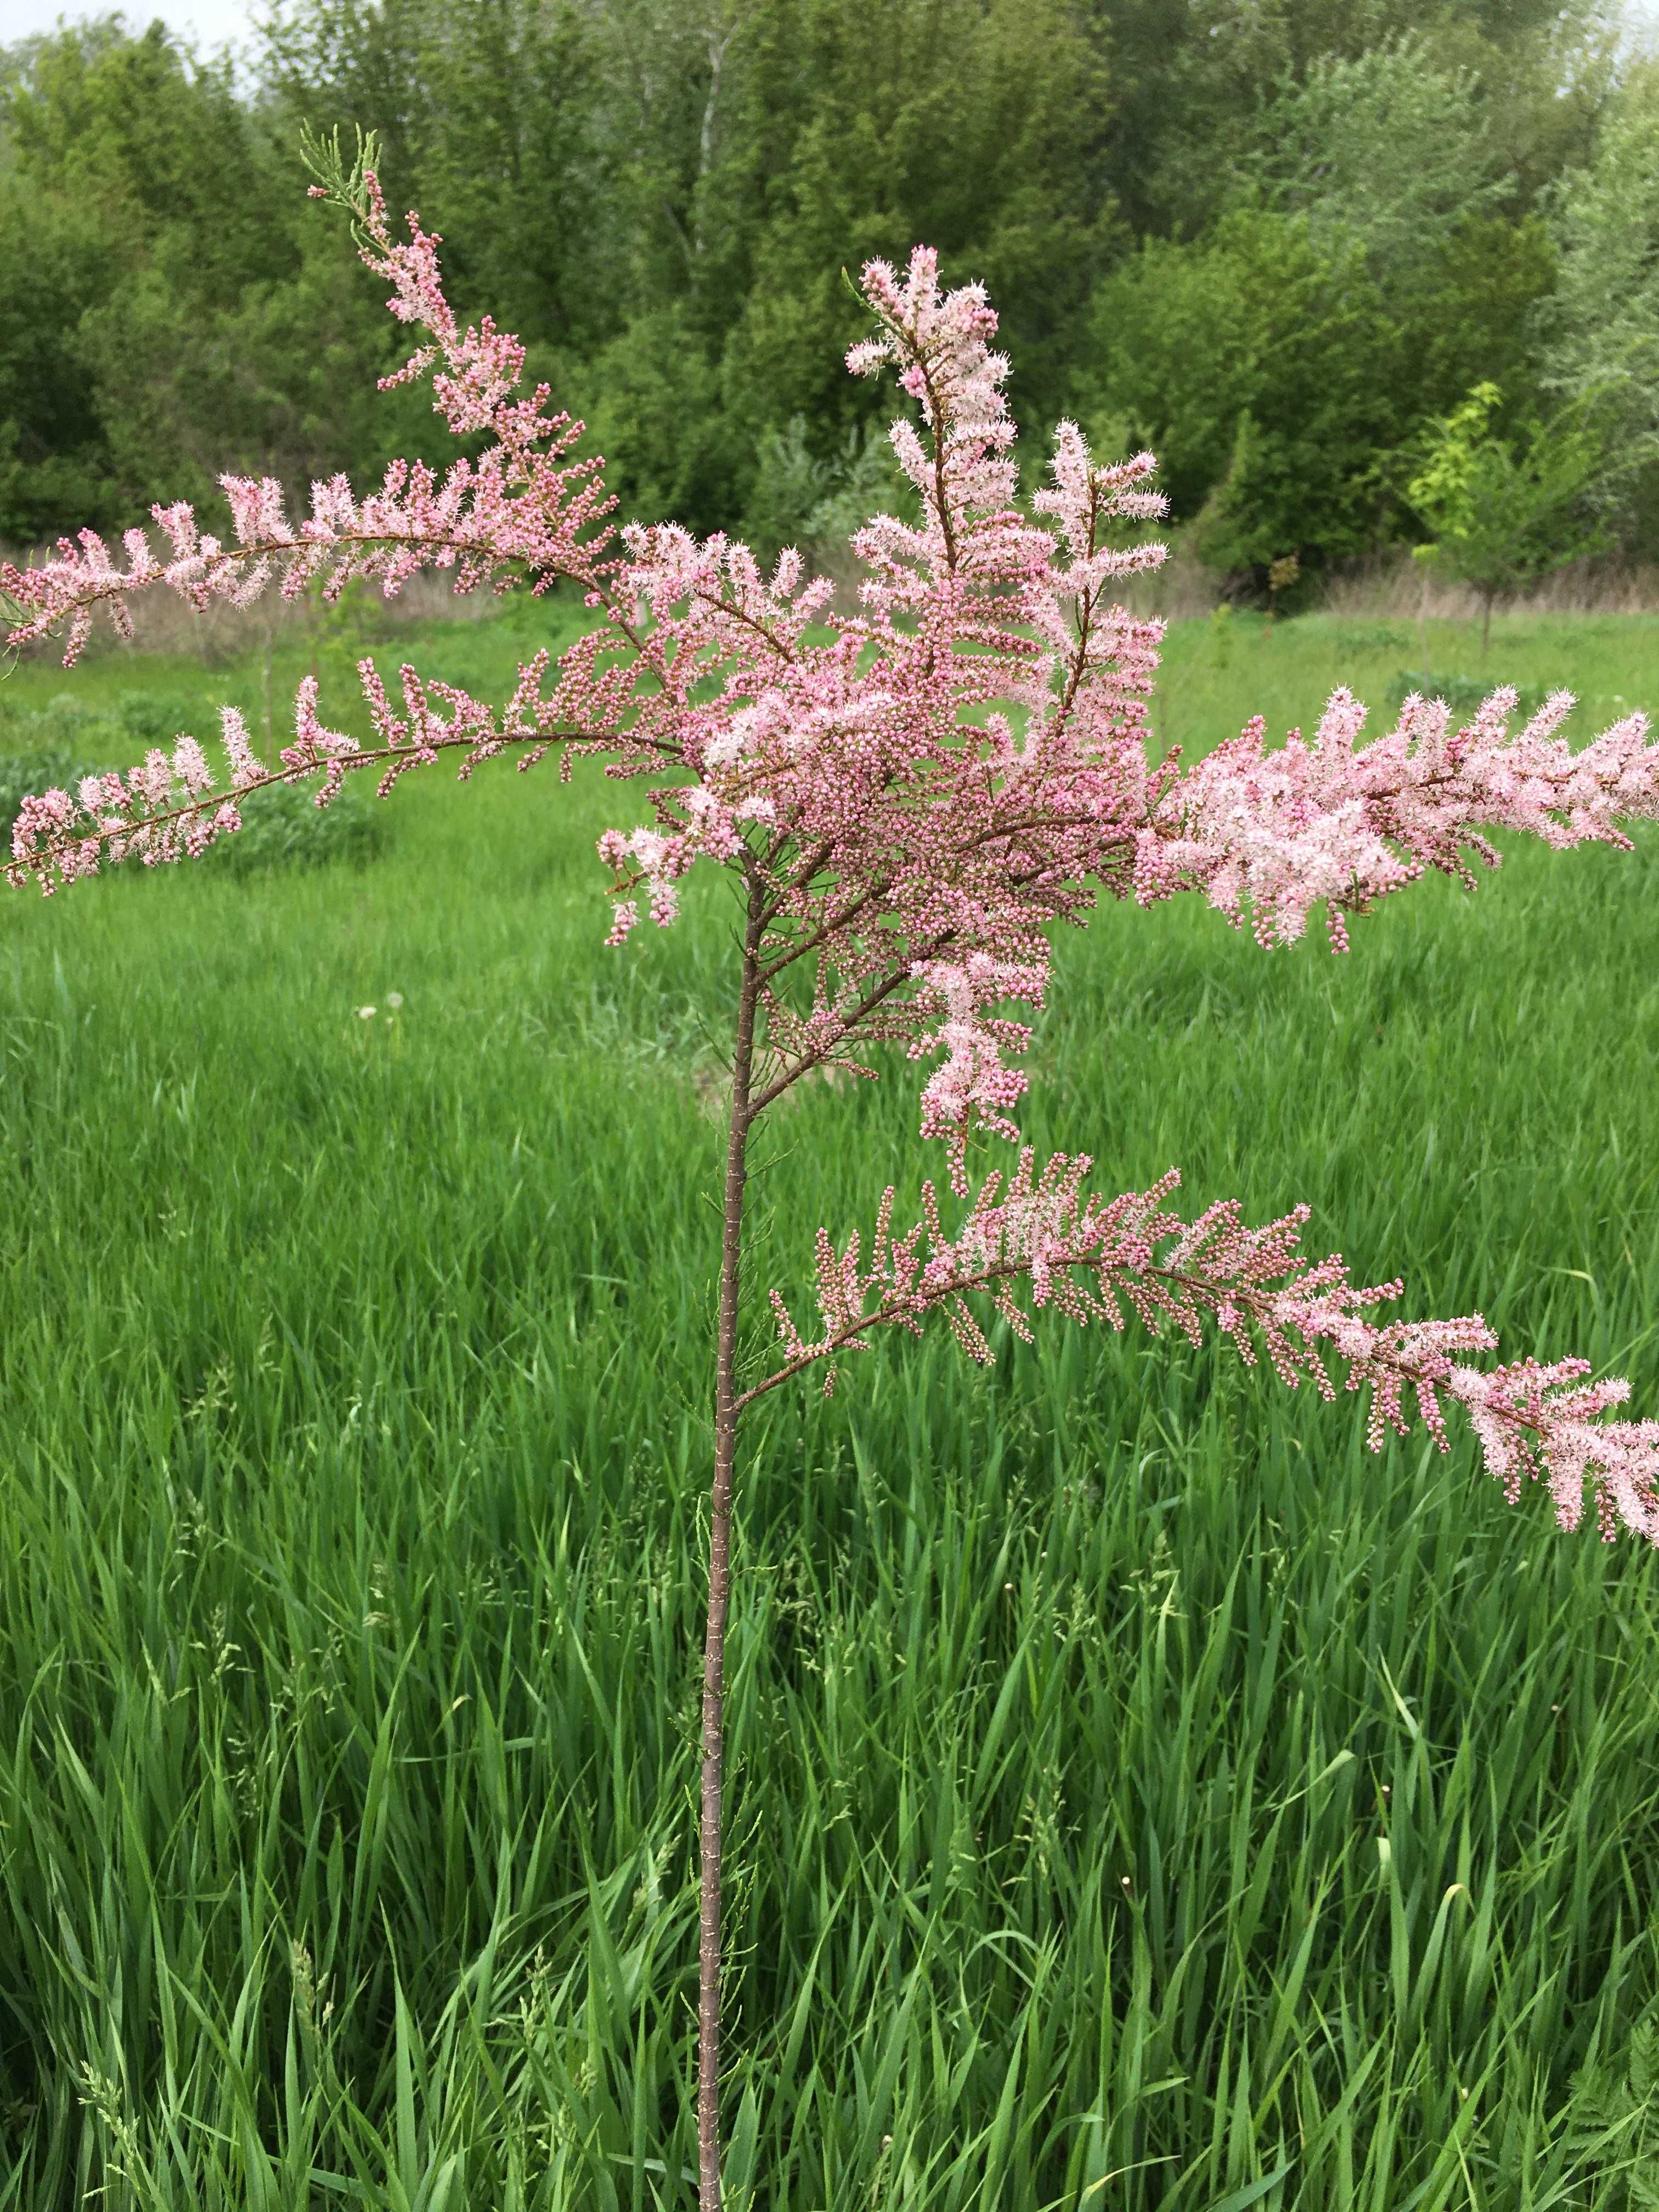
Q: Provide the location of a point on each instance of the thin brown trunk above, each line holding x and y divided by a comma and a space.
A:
720, 1572
1485, 629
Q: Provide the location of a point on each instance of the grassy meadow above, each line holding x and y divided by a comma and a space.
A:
1140, 1796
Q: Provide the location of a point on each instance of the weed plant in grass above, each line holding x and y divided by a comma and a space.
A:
1140, 1796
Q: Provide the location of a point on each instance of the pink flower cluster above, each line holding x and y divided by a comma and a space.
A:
912, 796
521, 508
1091, 1258
163, 810
1346, 823
171, 809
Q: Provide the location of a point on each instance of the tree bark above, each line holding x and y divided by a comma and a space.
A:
719, 1571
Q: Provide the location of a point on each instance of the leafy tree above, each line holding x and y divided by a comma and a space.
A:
979, 124
1191, 78
130, 170
1366, 275
1400, 155
156, 143
52, 451
176, 318
1333, 200
1386, 148
508, 116
1467, 313
1600, 329
653, 394
1262, 370
1547, 74
1504, 512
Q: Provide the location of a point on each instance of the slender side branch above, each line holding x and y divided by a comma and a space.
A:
170, 807
815, 1055
1093, 1258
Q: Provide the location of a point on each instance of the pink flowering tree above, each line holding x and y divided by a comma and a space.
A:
905, 803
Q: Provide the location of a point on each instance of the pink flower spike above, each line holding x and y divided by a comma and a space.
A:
1043, 1237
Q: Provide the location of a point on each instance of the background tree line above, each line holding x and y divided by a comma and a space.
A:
1275, 239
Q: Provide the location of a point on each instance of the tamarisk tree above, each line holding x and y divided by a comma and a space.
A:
905, 801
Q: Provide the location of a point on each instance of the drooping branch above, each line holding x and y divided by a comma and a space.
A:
1043, 1242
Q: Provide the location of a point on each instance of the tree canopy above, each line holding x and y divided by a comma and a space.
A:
1273, 241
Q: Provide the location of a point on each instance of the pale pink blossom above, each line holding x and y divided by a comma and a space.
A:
1042, 1241
912, 796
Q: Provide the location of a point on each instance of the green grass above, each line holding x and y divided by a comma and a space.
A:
1141, 1796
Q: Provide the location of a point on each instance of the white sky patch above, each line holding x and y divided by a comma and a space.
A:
212, 23
209, 22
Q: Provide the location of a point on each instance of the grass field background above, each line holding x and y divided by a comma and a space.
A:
1141, 1796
